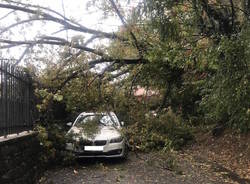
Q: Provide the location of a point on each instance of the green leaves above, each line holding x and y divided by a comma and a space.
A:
227, 98
46, 99
163, 132
90, 128
58, 97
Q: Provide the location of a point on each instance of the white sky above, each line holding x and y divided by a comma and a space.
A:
76, 9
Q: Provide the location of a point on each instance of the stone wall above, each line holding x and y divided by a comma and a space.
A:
19, 159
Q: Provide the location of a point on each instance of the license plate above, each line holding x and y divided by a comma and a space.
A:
93, 148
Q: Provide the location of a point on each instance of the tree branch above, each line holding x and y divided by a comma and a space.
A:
118, 74
68, 24
120, 61
233, 13
3, 17
99, 61
19, 23
91, 40
23, 54
127, 27
43, 8
212, 13
12, 43
100, 75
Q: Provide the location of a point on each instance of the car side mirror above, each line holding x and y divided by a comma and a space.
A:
69, 124
122, 123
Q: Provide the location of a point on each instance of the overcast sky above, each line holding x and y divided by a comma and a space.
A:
76, 9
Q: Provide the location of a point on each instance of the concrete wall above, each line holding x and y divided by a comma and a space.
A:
19, 159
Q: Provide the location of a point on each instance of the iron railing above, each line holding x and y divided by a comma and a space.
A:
15, 99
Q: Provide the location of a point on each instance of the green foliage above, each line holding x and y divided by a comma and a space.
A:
90, 128
204, 64
53, 141
161, 132
51, 107
227, 93
80, 97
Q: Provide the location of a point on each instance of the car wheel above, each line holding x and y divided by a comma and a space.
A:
125, 153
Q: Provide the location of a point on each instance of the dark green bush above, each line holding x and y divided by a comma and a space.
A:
52, 139
161, 132
226, 95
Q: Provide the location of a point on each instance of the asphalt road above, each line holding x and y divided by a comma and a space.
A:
137, 169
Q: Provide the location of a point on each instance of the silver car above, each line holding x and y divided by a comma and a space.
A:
104, 140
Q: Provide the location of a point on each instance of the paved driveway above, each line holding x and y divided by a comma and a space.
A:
145, 168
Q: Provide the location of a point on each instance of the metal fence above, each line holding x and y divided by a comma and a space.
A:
16, 97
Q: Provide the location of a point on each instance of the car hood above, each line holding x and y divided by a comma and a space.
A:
104, 133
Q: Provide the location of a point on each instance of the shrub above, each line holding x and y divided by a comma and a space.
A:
226, 95
52, 139
161, 132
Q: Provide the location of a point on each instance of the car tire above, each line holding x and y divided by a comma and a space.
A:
125, 153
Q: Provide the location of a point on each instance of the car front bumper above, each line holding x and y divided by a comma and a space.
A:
110, 150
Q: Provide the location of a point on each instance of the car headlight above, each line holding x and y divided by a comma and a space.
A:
116, 140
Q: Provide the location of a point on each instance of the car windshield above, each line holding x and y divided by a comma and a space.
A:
105, 120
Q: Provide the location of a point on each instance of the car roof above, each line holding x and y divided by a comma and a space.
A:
96, 113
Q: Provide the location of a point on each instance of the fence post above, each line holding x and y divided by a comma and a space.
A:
2, 122
6, 100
